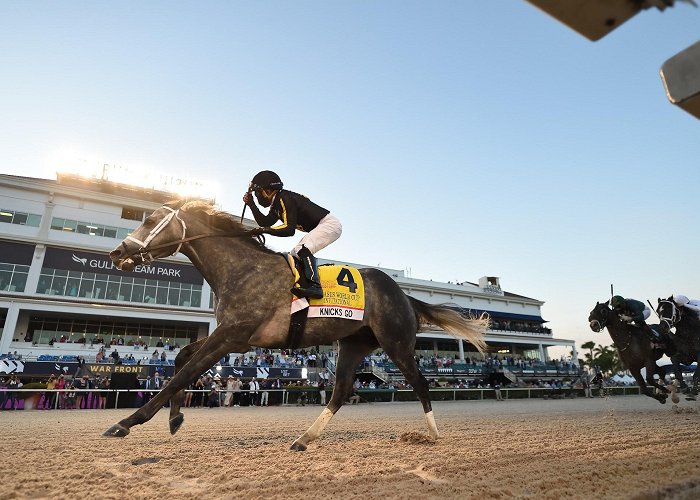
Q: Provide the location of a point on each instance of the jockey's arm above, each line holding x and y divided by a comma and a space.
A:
287, 215
262, 219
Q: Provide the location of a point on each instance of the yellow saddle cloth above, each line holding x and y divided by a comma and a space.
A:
343, 293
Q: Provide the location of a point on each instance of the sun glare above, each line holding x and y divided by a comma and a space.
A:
68, 161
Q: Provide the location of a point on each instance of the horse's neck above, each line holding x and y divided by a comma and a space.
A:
618, 329
689, 324
225, 260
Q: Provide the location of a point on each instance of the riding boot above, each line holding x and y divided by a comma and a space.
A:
309, 282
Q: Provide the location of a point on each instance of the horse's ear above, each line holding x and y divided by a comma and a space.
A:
175, 204
607, 302
597, 303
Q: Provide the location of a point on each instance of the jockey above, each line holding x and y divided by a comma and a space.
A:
295, 211
692, 304
636, 312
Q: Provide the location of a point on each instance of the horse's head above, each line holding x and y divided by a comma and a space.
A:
599, 316
669, 314
160, 235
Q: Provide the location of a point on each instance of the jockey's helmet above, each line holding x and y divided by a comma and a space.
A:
617, 301
266, 179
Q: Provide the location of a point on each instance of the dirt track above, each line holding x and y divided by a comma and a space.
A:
621, 447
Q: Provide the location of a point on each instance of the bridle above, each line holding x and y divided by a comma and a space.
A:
675, 314
600, 324
604, 323
143, 251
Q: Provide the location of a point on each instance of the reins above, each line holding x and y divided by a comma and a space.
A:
145, 252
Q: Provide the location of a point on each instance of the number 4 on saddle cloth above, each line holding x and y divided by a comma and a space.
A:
343, 293
343, 298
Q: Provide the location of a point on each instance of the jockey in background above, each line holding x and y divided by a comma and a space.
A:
692, 304
634, 311
295, 211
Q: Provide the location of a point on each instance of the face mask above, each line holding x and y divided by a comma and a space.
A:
263, 200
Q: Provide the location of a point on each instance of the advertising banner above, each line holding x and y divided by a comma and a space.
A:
78, 260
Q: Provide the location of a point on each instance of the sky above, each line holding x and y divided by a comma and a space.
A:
453, 139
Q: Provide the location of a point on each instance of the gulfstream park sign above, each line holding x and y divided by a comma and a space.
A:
68, 260
107, 264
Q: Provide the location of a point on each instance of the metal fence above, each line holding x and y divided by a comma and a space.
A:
56, 398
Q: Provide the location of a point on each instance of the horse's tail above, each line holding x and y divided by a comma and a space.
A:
454, 322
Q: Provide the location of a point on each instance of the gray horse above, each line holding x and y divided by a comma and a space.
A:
252, 284
686, 339
634, 348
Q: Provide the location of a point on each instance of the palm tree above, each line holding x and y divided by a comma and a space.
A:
589, 345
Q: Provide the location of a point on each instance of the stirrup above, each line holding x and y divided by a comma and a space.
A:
311, 292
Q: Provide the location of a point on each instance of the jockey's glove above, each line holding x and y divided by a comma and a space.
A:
257, 231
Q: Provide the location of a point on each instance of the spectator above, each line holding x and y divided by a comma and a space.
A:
198, 395
104, 386
265, 386
60, 386
497, 390
3, 393
213, 398
254, 394
115, 356
163, 357
80, 385
237, 386
70, 397
229, 391
147, 392
50, 395
322, 392
355, 398
13, 385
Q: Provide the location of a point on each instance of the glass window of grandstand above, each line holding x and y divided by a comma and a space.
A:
133, 213
119, 288
97, 332
19, 218
89, 228
13, 277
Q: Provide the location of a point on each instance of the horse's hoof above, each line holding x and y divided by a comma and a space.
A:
117, 431
297, 446
176, 423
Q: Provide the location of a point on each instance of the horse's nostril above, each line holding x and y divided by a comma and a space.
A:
115, 253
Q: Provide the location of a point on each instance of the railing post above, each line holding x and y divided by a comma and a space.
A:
116, 399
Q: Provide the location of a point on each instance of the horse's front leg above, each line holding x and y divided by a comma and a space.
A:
662, 394
185, 354
212, 350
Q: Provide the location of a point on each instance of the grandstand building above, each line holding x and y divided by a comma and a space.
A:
61, 296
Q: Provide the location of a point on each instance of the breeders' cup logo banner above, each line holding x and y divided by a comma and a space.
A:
71, 260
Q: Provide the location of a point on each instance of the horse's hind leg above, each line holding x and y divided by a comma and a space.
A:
350, 353
176, 416
407, 364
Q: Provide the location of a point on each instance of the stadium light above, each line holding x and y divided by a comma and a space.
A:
681, 78
596, 18
140, 176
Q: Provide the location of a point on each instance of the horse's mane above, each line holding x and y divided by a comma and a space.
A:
222, 222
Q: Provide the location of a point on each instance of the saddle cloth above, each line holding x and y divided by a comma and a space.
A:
343, 293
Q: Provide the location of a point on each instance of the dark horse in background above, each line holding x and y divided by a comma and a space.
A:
252, 286
686, 339
634, 348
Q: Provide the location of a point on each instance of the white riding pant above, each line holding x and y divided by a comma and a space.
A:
328, 230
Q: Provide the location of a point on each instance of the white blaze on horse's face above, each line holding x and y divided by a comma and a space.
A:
151, 240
